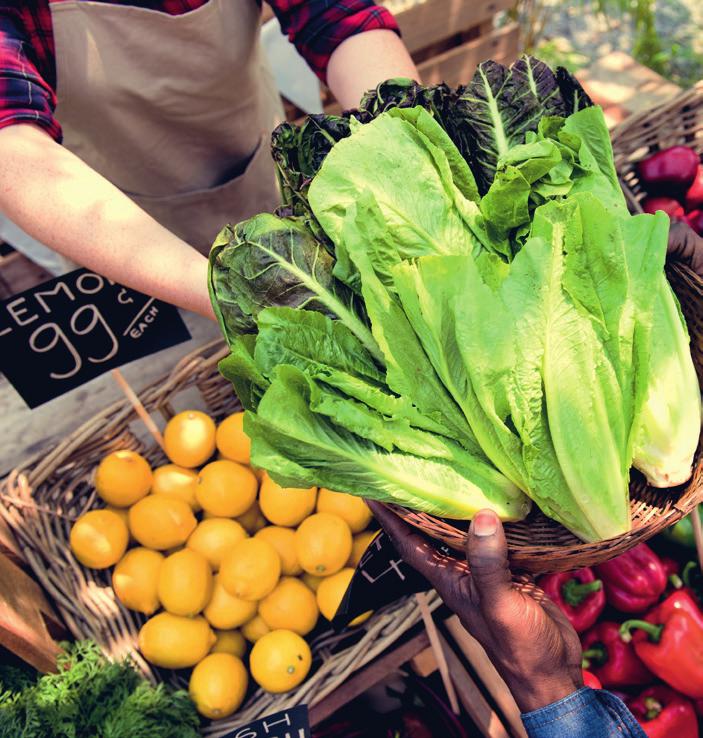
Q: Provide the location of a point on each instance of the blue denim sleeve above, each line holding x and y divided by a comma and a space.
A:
587, 713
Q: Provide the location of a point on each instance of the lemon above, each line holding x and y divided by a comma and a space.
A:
185, 583
285, 506
225, 611
331, 592
226, 489
189, 438
175, 642
254, 629
99, 539
218, 685
176, 482
161, 522
230, 641
323, 543
121, 512
122, 478
291, 605
253, 519
311, 582
136, 578
283, 540
214, 537
280, 661
353, 510
250, 569
232, 442
360, 542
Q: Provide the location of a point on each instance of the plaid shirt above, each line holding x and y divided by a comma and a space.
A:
28, 68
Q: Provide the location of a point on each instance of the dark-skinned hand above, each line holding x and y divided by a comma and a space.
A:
686, 246
526, 636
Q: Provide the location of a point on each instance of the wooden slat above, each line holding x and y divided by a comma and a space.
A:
18, 273
23, 608
456, 66
425, 663
486, 672
424, 22
375, 672
475, 704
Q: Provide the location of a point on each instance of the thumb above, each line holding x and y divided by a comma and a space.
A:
487, 553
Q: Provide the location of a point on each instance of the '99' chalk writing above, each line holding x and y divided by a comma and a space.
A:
64, 332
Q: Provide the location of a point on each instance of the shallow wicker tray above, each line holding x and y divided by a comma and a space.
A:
538, 544
41, 500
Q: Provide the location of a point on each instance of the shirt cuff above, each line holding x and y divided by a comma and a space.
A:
587, 713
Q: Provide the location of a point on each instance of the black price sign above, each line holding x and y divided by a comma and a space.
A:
68, 330
293, 723
380, 578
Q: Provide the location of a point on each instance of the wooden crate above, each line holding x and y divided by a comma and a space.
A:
18, 273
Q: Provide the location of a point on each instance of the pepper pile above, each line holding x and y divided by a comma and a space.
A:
673, 180
641, 625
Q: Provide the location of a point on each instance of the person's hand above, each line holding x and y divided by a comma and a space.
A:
686, 246
526, 636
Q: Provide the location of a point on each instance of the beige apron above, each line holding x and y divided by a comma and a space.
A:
176, 111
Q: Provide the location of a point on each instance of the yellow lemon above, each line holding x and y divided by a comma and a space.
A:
311, 582
254, 629
185, 583
331, 592
291, 605
122, 478
226, 489
253, 520
353, 510
323, 543
175, 642
99, 539
176, 482
280, 661
285, 506
225, 611
189, 438
250, 569
230, 641
218, 685
360, 542
136, 579
283, 540
258, 473
214, 537
161, 522
232, 442
121, 512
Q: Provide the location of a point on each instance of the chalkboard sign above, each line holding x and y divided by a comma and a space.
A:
380, 578
293, 723
66, 331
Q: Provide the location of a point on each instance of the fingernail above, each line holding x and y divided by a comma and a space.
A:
484, 524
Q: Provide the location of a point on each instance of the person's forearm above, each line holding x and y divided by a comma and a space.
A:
362, 61
59, 200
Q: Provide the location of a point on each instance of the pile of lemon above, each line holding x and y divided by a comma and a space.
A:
256, 566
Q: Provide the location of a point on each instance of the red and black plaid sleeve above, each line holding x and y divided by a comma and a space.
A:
318, 27
26, 66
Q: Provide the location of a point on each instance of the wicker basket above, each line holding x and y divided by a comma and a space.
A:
41, 501
538, 544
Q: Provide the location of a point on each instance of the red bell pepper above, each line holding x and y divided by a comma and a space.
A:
671, 207
668, 171
695, 220
591, 680
578, 594
613, 661
634, 581
673, 571
698, 705
663, 713
694, 196
669, 640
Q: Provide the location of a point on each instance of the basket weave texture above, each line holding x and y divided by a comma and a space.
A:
538, 544
41, 501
